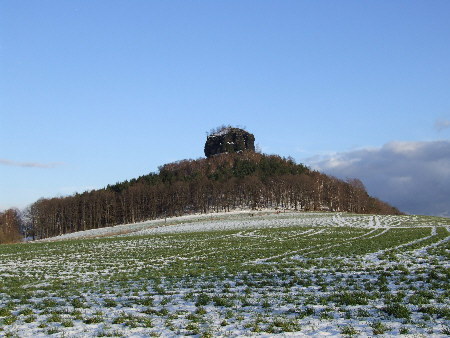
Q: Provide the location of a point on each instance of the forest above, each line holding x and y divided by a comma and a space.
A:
220, 183
10, 226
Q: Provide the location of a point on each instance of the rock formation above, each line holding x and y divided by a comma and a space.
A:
229, 140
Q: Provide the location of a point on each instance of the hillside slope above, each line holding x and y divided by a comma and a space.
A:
223, 182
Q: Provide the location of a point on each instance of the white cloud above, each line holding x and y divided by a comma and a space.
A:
413, 176
441, 124
403, 148
28, 164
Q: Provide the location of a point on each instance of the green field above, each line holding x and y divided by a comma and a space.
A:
247, 274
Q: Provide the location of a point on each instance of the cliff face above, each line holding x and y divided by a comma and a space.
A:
229, 140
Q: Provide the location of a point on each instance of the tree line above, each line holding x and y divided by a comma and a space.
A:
10, 226
220, 183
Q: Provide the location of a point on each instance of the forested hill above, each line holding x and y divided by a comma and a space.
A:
220, 183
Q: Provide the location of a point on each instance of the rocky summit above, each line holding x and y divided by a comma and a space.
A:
229, 140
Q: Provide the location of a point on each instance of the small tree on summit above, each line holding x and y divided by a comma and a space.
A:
227, 139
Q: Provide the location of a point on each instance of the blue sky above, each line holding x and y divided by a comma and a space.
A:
95, 92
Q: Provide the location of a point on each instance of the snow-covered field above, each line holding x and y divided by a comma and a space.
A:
233, 274
241, 219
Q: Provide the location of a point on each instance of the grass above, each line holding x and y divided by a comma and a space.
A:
270, 279
348, 330
379, 328
398, 311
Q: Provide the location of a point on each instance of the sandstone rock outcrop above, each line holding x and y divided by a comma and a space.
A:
229, 140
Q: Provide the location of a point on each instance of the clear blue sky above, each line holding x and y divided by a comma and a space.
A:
95, 92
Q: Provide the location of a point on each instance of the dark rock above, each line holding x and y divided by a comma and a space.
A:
229, 140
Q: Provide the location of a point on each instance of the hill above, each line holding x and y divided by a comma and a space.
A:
223, 182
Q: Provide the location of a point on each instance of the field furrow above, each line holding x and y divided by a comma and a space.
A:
259, 273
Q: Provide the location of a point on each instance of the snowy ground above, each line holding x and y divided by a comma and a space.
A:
233, 274
241, 219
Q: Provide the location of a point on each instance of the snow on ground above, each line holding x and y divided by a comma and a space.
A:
245, 273
136, 228
240, 219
